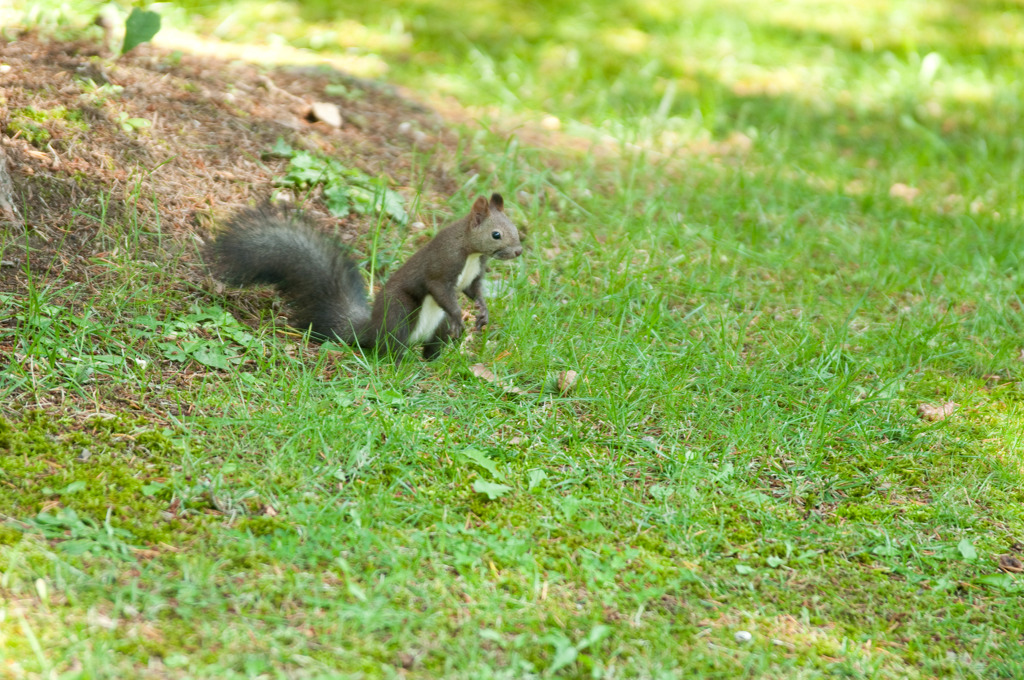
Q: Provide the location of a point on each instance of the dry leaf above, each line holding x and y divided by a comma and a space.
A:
903, 191
484, 373
327, 112
269, 511
936, 412
1010, 564
855, 187
481, 371
738, 143
101, 620
566, 381
421, 139
145, 553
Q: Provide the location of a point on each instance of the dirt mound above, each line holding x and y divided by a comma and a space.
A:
169, 140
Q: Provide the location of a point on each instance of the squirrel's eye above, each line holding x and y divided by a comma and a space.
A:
496, 235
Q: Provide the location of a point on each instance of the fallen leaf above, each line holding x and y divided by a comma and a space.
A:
481, 371
326, 112
1010, 564
855, 187
484, 373
102, 620
566, 381
738, 142
936, 412
904, 192
269, 511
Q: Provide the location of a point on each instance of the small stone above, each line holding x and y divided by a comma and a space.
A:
743, 636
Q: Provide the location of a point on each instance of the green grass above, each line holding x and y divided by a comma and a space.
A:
754, 321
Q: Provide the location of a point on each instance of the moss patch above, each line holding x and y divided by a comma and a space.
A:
72, 480
38, 126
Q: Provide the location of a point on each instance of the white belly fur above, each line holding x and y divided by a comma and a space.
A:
431, 315
469, 272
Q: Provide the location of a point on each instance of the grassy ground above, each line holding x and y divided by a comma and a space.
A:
795, 237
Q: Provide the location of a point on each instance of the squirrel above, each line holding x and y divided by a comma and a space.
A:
418, 304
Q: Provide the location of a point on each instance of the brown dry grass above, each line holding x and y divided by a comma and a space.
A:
205, 152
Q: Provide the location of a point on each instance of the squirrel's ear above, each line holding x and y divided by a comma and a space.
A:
497, 202
479, 211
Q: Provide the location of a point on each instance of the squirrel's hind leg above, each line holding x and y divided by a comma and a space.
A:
432, 348
442, 336
389, 328
394, 341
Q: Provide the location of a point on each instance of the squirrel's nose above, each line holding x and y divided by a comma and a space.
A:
517, 252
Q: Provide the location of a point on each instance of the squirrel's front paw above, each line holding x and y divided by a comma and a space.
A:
481, 315
455, 330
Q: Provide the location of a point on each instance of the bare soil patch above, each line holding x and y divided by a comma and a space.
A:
80, 158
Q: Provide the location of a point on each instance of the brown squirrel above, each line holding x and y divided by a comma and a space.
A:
418, 304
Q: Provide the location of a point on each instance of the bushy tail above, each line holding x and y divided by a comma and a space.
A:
325, 289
